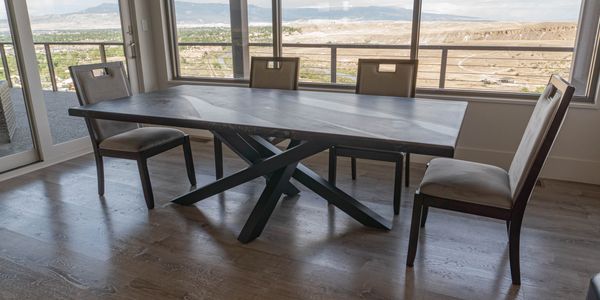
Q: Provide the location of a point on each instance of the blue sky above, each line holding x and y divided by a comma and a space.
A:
519, 10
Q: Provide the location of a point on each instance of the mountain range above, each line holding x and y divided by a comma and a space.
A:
211, 13
106, 16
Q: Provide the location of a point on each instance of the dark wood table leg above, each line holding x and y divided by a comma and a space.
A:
266, 204
329, 192
261, 168
251, 155
279, 166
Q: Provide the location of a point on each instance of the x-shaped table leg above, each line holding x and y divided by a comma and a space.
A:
323, 188
279, 166
251, 156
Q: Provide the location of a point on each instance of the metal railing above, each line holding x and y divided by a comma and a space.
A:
444, 57
47, 49
331, 56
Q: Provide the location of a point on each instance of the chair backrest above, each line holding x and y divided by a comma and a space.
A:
99, 82
542, 129
274, 72
387, 77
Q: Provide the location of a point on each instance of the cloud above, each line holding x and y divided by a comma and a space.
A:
45, 7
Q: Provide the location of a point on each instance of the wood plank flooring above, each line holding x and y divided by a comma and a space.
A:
59, 240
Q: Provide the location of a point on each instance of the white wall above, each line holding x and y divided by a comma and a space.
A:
492, 131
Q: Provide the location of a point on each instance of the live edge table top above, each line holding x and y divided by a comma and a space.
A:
414, 125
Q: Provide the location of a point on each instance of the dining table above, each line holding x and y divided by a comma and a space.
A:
245, 118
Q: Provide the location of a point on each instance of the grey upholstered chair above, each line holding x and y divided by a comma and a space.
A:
101, 82
266, 73
373, 79
490, 191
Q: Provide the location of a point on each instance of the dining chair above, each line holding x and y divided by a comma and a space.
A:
107, 81
490, 191
381, 77
266, 73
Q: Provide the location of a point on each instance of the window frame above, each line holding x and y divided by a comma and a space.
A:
589, 97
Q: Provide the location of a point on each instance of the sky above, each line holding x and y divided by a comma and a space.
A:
519, 10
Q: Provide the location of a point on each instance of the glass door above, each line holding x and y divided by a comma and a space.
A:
17, 140
67, 33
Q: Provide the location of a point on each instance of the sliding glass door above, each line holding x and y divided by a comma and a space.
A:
67, 33
17, 140
39, 40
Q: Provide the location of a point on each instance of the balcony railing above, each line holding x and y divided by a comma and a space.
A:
509, 68
69, 53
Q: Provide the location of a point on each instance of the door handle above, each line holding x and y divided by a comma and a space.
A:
132, 50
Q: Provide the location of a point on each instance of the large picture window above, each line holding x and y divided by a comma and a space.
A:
466, 46
499, 45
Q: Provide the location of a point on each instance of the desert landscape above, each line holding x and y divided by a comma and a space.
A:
471, 68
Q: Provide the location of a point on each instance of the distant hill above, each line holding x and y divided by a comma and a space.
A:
106, 16
199, 13
103, 8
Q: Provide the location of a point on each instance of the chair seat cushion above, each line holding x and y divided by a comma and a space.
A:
141, 139
468, 182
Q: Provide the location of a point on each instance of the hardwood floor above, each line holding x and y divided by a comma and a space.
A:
59, 240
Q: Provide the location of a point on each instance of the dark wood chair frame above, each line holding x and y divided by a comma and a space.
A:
141, 157
218, 144
402, 160
513, 216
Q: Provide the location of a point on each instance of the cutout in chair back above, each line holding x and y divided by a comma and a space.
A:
273, 65
101, 72
387, 68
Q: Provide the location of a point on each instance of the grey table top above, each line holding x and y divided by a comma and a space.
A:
388, 123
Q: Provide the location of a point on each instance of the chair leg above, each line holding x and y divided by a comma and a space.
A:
332, 165
146, 185
407, 170
218, 157
424, 215
353, 166
189, 160
508, 228
398, 185
414, 231
100, 174
513, 244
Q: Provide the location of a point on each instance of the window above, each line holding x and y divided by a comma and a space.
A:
471, 46
498, 45
330, 36
209, 45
